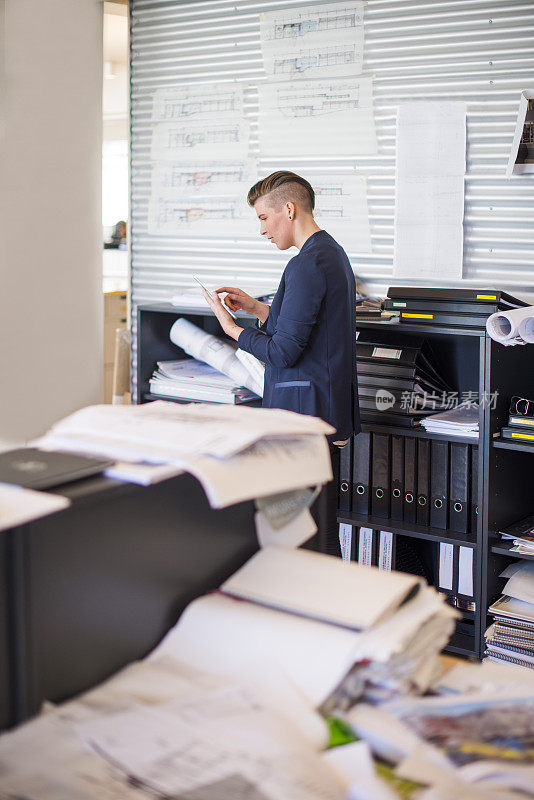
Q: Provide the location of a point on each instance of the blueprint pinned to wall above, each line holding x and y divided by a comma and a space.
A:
197, 101
205, 198
341, 209
317, 117
429, 203
313, 41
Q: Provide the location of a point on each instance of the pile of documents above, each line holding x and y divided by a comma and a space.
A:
474, 745
221, 354
449, 307
522, 535
511, 637
227, 705
237, 453
459, 421
190, 379
397, 385
512, 327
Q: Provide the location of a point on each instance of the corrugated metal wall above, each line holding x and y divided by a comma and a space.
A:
473, 50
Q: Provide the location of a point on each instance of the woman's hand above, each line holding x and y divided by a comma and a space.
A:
237, 299
227, 323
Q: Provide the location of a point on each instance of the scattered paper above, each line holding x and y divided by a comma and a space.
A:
295, 533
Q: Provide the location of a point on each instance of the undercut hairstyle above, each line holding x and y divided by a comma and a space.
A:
283, 187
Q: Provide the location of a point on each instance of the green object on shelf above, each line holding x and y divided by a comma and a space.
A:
340, 732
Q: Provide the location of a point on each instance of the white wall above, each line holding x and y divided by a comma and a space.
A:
51, 304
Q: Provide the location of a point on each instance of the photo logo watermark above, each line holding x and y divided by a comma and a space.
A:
384, 400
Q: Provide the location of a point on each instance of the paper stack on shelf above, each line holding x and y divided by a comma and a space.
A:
459, 421
511, 637
190, 379
522, 535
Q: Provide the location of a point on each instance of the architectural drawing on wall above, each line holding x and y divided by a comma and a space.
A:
204, 178
200, 140
316, 41
429, 203
319, 117
341, 209
200, 216
219, 101
206, 198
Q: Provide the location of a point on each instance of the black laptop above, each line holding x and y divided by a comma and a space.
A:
42, 469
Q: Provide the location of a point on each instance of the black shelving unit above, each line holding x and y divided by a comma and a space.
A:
154, 323
472, 362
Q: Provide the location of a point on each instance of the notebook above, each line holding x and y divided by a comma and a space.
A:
42, 469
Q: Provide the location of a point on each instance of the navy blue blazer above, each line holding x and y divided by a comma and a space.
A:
308, 342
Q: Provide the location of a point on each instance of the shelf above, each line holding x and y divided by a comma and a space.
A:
507, 444
418, 433
148, 396
422, 330
406, 529
461, 644
503, 548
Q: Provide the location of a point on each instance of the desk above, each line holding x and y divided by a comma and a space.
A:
95, 586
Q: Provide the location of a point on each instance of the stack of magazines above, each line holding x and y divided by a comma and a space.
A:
190, 379
511, 637
461, 420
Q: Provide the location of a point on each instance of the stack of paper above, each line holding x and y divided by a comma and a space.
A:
190, 379
522, 535
511, 637
475, 746
459, 421
236, 452
336, 629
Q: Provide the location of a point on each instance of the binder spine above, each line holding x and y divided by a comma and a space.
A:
410, 463
345, 477
380, 475
439, 484
397, 477
459, 511
474, 489
361, 448
423, 464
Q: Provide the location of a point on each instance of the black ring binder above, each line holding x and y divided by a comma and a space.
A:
458, 507
344, 486
438, 503
379, 493
422, 501
396, 492
409, 497
360, 489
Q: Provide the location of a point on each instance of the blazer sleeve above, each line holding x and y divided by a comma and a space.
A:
305, 288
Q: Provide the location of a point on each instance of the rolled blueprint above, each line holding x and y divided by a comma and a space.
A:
505, 326
216, 352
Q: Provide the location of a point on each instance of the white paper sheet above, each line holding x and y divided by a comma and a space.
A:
313, 41
321, 117
512, 327
365, 547
295, 533
200, 140
345, 540
341, 209
19, 505
446, 556
313, 655
142, 474
430, 168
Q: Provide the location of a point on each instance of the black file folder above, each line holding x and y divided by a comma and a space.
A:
380, 475
455, 295
345, 477
439, 484
397, 477
361, 459
474, 489
423, 481
410, 463
459, 510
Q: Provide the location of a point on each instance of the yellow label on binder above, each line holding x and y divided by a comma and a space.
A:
417, 316
521, 421
522, 436
486, 296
